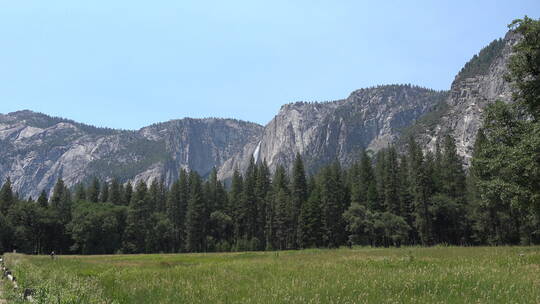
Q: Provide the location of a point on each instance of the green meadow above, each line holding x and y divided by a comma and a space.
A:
358, 275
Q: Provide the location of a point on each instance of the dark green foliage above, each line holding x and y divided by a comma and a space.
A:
367, 227
96, 228
299, 193
390, 180
93, 191
115, 195
138, 221
196, 216
160, 237
43, 201
333, 205
310, 222
525, 64
506, 172
80, 192
128, 192
7, 198
6, 240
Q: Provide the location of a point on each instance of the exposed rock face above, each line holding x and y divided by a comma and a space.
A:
469, 96
35, 149
324, 132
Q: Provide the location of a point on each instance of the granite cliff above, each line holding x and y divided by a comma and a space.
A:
479, 83
36, 149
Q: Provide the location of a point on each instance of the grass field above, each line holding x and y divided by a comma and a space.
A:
361, 275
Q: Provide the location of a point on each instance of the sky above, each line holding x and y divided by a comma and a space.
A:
127, 64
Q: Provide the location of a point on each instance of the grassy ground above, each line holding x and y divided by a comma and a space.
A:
362, 275
2, 300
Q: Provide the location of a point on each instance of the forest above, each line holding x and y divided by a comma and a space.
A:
398, 196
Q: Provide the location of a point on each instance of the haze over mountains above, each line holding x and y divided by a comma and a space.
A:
36, 149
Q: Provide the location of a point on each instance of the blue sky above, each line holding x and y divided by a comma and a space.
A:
127, 64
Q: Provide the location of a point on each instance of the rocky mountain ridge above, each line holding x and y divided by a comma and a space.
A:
324, 132
478, 84
36, 149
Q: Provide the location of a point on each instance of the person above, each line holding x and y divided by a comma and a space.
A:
52, 254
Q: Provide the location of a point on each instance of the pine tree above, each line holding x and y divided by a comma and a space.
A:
451, 171
332, 206
196, 216
236, 203
281, 219
93, 191
7, 199
380, 174
262, 190
448, 209
128, 192
366, 182
154, 196
216, 195
421, 193
299, 197
104, 195
138, 221
61, 205
115, 192
248, 210
174, 214
279, 214
80, 192
43, 201
310, 221
406, 197
391, 182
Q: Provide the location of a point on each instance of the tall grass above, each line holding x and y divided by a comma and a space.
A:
360, 275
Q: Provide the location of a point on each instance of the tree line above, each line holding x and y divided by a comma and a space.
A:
391, 198
386, 199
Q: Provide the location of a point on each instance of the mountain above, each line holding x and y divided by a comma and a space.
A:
479, 83
324, 132
36, 149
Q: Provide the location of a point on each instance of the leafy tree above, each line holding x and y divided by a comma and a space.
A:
160, 236
524, 64
96, 228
